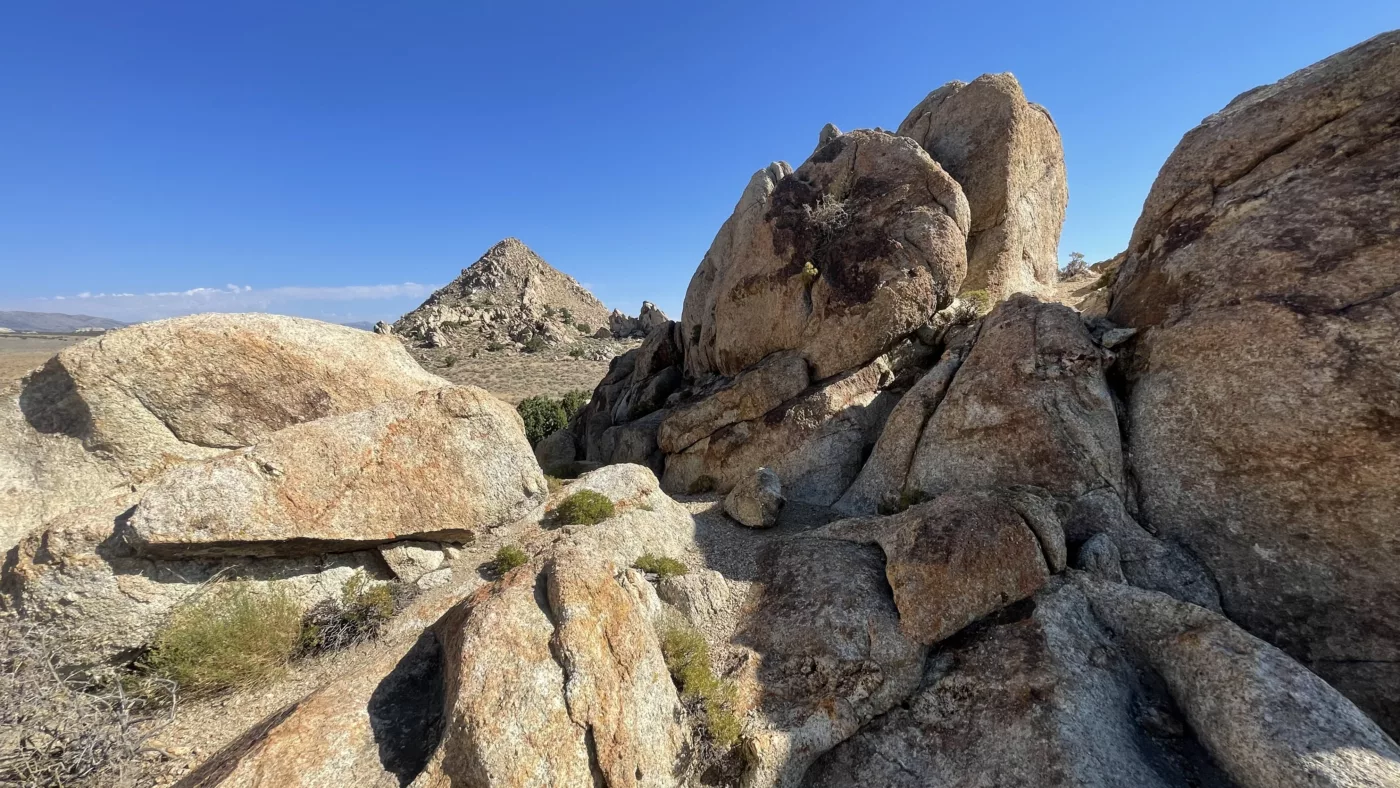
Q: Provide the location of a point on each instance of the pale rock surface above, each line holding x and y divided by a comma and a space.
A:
1264, 277
703, 596
124, 407
1043, 700
1006, 154
351, 480
756, 500
885, 228
410, 560
1268, 721
747, 396
1029, 405
829, 656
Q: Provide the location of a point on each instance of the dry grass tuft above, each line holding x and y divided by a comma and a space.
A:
228, 635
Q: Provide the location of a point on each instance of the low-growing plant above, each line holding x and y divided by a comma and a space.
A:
64, 729
585, 507
660, 566
575, 352
554, 483
572, 402
227, 635
566, 315
508, 558
495, 347
543, 416
809, 273
687, 658
548, 312
981, 301
359, 615
449, 361
584, 328
535, 344
1109, 277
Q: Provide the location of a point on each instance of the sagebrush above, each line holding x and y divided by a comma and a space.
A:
584, 507
227, 635
357, 616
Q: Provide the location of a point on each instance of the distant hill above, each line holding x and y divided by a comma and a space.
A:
363, 325
53, 322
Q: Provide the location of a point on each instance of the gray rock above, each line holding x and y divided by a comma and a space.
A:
1100, 558
756, 500
383, 328
703, 596
1115, 337
555, 451
410, 560
828, 133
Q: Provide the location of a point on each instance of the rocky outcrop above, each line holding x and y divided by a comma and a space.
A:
638, 384
1030, 405
854, 250
1005, 153
509, 295
1264, 279
748, 396
1266, 720
622, 327
351, 481
122, 409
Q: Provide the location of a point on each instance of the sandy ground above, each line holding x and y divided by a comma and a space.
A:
20, 353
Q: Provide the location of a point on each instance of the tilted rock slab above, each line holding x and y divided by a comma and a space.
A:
751, 393
1006, 154
124, 407
1264, 389
883, 226
1029, 405
1267, 720
440, 465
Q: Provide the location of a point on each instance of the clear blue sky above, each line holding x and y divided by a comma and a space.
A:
322, 157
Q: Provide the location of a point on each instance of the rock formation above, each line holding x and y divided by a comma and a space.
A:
924, 540
1264, 280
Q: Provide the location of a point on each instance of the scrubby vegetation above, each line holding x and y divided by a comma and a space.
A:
359, 615
981, 301
584, 507
228, 635
61, 730
1075, 267
545, 415
535, 344
575, 352
688, 659
660, 566
508, 558
584, 328
495, 347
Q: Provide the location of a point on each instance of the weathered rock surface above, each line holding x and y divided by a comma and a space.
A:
756, 500
637, 385
80, 579
410, 561
1006, 154
124, 407
815, 441
830, 655
1264, 278
1029, 405
882, 229
352, 480
1266, 719
556, 450
650, 317
956, 559
748, 396
1041, 699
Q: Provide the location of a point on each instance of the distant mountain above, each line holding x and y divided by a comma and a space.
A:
53, 322
363, 325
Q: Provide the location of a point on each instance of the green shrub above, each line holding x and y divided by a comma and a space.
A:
576, 352
508, 558
584, 328
809, 273
548, 312
687, 657
573, 402
1110, 276
226, 636
359, 615
584, 507
535, 344
660, 566
567, 315
495, 347
981, 301
554, 483
449, 361
543, 417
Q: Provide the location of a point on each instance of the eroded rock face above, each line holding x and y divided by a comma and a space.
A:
1030, 405
829, 651
883, 228
1006, 154
756, 500
1043, 698
1264, 279
1266, 719
352, 480
748, 396
125, 407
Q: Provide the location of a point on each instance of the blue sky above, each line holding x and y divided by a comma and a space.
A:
337, 159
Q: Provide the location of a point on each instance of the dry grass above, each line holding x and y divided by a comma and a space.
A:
688, 658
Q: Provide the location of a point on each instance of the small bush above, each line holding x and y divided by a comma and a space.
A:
62, 730
535, 344
584, 507
543, 417
584, 328
508, 558
554, 482
228, 635
1075, 267
687, 657
661, 566
1107, 279
573, 402
449, 361
567, 315
495, 347
576, 352
980, 300
809, 273
359, 615
548, 312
